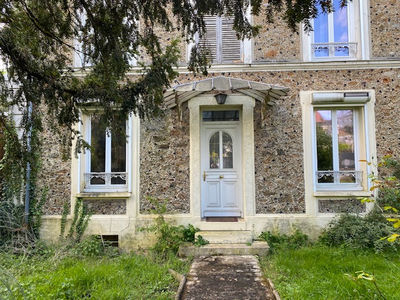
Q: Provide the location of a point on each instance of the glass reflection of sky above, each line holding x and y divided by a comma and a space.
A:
340, 30
325, 114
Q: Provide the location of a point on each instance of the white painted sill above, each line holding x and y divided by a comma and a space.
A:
104, 195
342, 194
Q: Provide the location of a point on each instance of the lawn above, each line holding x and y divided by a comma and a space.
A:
126, 276
319, 272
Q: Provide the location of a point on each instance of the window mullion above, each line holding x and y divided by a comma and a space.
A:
335, 146
108, 158
220, 150
331, 34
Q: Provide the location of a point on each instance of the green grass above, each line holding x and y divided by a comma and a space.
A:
127, 276
319, 272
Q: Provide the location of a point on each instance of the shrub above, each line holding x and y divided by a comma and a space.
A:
276, 241
357, 232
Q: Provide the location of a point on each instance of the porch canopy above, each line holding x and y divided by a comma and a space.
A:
260, 91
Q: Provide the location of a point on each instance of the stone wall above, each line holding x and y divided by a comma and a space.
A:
164, 162
276, 42
385, 28
106, 206
341, 206
278, 159
55, 173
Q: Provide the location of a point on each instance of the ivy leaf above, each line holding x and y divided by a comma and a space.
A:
393, 237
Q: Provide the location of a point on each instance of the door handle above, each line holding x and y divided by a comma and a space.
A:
204, 176
221, 176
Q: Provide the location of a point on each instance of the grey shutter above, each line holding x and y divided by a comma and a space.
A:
209, 41
231, 48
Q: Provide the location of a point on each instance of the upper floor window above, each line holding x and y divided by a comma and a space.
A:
339, 35
222, 43
107, 161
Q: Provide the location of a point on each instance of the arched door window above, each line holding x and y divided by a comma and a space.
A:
221, 145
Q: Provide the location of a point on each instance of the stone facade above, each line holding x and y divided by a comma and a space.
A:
278, 161
341, 206
106, 206
385, 28
55, 173
164, 162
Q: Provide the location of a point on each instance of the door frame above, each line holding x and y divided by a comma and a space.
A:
196, 104
206, 129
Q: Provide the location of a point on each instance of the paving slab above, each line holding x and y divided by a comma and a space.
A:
226, 277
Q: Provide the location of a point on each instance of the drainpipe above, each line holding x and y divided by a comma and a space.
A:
28, 164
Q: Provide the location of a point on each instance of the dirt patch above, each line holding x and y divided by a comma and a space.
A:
226, 277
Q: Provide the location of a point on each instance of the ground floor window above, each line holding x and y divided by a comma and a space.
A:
339, 140
107, 160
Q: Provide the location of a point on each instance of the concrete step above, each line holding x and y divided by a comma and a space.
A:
257, 248
226, 236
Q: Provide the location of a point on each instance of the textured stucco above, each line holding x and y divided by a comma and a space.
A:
164, 162
385, 28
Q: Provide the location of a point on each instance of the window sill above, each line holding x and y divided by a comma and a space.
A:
104, 195
342, 194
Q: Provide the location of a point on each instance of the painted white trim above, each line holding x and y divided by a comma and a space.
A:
357, 15
369, 153
248, 176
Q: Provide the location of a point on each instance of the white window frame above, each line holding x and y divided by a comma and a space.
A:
79, 57
87, 187
246, 47
357, 110
358, 33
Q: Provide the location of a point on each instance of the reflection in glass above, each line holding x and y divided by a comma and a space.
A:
340, 25
323, 120
118, 151
214, 151
321, 33
220, 115
98, 151
345, 130
227, 151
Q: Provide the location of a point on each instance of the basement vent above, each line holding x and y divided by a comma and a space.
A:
111, 240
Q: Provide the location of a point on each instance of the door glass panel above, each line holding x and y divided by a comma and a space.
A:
220, 115
118, 152
214, 151
345, 130
227, 151
323, 121
98, 151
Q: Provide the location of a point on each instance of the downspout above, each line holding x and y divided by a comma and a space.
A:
28, 164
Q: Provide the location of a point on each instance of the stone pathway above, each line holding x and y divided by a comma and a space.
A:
226, 277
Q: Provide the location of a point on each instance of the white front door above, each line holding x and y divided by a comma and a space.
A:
221, 168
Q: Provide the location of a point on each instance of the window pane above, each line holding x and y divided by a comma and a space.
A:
221, 115
340, 22
345, 129
118, 152
98, 151
214, 151
321, 33
323, 121
227, 151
